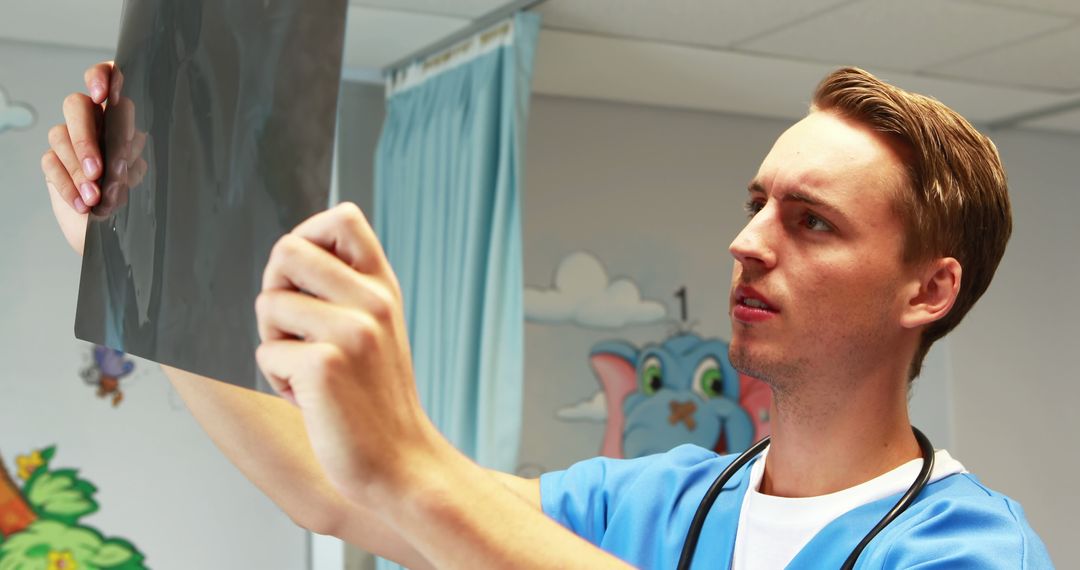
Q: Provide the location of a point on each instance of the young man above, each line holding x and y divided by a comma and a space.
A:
875, 223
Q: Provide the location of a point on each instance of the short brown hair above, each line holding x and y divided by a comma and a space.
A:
958, 203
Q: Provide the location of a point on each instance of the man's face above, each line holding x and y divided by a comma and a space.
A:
816, 287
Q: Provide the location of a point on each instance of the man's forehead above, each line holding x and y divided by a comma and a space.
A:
824, 150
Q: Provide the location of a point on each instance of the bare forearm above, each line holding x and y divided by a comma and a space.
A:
264, 437
460, 516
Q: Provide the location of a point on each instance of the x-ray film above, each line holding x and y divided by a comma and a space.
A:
218, 139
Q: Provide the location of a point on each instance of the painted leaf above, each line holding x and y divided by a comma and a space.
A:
31, 547
112, 554
47, 454
135, 563
61, 495
38, 551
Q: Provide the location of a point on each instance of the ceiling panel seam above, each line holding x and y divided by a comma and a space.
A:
994, 84
1002, 46
1022, 9
1043, 113
807, 61
793, 23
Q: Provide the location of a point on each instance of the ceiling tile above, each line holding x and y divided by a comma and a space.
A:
375, 38
904, 36
654, 73
470, 9
713, 23
1068, 122
1047, 62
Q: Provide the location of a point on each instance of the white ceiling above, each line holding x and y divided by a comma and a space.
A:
996, 61
911, 35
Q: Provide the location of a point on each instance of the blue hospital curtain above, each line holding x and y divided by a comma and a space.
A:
447, 209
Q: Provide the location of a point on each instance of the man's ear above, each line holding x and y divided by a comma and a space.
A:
933, 294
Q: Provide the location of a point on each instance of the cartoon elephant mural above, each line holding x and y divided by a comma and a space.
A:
683, 390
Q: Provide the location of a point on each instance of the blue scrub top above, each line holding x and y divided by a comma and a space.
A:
640, 510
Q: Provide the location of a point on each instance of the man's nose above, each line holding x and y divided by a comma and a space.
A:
754, 244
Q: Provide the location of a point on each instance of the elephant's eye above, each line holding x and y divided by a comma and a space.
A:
652, 376
709, 379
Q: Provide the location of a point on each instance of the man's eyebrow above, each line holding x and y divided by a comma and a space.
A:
807, 199
802, 197
831, 209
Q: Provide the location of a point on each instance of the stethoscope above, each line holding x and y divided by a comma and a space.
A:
905, 501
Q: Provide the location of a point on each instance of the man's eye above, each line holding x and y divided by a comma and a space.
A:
816, 224
753, 207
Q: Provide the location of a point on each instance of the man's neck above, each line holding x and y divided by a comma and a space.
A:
828, 439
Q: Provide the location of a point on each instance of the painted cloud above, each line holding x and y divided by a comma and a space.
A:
14, 115
591, 409
582, 295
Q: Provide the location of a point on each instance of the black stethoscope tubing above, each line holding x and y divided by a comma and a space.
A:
692, 536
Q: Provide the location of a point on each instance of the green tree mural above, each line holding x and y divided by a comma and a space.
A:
40, 525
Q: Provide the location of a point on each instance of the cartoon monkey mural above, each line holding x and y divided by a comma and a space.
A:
683, 390
108, 368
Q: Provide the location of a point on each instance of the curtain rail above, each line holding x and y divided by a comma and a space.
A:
481, 23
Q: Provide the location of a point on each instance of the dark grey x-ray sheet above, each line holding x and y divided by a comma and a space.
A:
218, 139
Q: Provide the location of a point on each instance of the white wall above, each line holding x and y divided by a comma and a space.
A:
999, 392
161, 483
656, 195
1014, 356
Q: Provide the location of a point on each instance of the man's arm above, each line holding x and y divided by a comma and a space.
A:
453, 515
264, 437
458, 515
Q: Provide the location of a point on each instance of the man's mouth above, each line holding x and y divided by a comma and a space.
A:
754, 303
749, 297
751, 306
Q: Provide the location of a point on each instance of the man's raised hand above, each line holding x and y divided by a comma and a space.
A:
334, 343
74, 165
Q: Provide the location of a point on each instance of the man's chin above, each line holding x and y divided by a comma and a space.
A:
743, 359
759, 362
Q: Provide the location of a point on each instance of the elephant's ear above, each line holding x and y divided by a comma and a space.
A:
755, 397
615, 366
